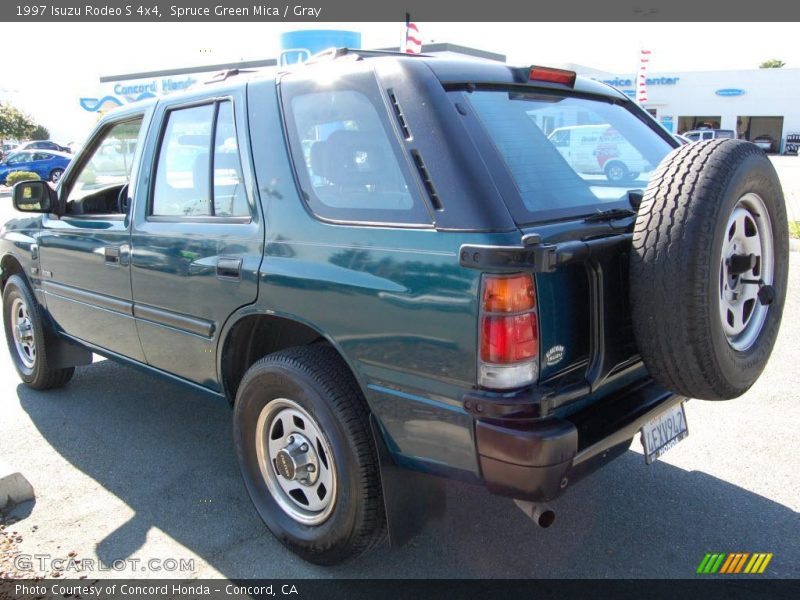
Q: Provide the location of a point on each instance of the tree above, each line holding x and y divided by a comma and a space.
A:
14, 124
772, 63
40, 132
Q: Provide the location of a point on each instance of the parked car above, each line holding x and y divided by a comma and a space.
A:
398, 273
42, 145
765, 142
48, 165
709, 134
6, 148
682, 139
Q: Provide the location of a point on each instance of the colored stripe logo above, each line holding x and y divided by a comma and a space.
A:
732, 563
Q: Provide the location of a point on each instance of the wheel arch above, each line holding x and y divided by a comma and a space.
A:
254, 333
10, 265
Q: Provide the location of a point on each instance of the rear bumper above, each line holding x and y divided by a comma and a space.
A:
538, 459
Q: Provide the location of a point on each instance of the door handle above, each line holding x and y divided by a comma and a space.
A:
117, 256
229, 268
112, 254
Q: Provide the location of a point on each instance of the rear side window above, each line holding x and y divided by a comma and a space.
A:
347, 157
567, 155
199, 171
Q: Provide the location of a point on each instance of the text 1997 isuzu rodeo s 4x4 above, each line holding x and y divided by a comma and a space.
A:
387, 266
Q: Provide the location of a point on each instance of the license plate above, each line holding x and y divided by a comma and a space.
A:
663, 432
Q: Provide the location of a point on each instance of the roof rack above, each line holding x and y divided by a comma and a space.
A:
333, 53
223, 75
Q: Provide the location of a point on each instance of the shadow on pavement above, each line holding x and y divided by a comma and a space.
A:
167, 453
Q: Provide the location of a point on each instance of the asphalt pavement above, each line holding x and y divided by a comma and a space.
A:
128, 467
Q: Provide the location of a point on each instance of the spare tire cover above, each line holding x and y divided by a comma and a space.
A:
708, 268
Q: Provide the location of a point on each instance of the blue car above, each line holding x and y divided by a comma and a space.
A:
47, 164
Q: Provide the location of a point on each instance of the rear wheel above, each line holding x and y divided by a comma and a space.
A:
305, 449
55, 175
616, 171
709, 268
28, 336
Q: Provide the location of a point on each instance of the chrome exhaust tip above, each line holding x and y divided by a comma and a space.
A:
538, 512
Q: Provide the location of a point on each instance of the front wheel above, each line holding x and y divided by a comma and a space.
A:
307, 456
28, 335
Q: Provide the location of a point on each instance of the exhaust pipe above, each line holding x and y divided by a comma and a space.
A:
538, 512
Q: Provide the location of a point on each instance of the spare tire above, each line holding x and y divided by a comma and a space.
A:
708, 268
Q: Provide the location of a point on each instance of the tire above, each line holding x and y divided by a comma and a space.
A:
699, 330
616, 171
314, 385
30, 344
55, 175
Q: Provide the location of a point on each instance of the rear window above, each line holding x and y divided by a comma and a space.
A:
568, 155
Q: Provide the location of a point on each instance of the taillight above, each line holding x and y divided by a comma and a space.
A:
509, 332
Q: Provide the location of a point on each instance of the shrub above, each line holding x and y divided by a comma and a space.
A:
18, 176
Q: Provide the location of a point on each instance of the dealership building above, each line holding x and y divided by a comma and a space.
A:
751, 102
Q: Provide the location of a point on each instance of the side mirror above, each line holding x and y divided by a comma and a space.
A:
35, 197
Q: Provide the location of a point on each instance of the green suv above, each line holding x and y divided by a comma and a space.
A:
394, 275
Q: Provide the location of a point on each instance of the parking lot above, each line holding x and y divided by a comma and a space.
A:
129, 467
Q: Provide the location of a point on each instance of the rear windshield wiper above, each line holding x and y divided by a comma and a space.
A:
610, 215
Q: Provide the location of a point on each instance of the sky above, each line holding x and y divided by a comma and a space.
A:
49, 82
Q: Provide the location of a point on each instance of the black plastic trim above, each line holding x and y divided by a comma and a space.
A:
538, 459
536, 256
174, 320
67, 292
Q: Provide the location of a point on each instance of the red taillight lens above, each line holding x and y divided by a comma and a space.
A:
509, 332
552, 75
509, 339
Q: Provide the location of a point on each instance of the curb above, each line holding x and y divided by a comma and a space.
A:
14, 489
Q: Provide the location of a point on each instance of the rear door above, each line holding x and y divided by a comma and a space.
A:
43, 163
197, 235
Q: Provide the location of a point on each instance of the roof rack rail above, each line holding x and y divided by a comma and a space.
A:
333, 53
223, 75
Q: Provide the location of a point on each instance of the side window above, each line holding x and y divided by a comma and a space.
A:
230, 199
19, 158
349, 164
41, 156
560, 138
707, 135
97, 186
184, 184
182, 175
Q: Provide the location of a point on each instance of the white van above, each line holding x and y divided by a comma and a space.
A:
599, 149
